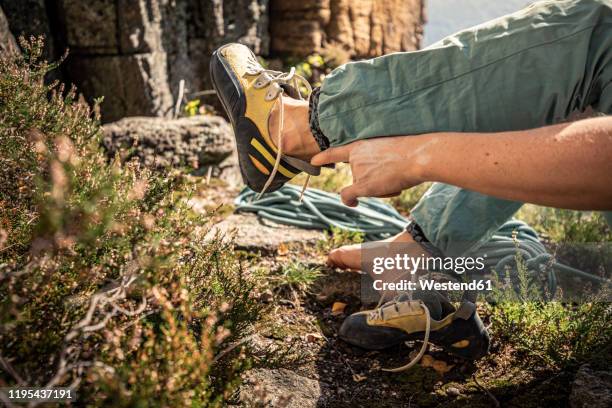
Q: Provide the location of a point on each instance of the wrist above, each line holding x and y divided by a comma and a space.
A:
420, 158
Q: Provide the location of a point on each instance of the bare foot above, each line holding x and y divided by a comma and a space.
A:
349, 256
296, 138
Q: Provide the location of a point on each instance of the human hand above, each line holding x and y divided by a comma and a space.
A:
381, 167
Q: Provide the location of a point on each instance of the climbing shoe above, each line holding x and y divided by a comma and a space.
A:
430, 319
248, 92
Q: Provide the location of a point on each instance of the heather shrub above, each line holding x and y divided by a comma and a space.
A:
547, 332
106, 281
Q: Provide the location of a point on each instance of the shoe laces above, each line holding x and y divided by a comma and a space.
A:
379, 314
274, 81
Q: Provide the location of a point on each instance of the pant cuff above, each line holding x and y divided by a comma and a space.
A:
419, 237
313, 118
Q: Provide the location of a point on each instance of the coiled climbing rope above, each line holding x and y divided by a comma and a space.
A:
378, 220
322, 210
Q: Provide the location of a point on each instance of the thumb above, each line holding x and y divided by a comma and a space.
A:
350, 194
332, 155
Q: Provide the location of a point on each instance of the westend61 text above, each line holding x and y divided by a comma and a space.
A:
405, 285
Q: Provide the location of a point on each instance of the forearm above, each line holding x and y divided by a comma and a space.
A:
567, 165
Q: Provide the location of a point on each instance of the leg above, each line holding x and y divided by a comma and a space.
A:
475, 81
522, 71
455, 220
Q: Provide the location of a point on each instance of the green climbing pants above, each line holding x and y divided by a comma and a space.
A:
528, 69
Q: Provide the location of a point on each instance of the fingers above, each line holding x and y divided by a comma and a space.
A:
350, 194
332, 155
390, 195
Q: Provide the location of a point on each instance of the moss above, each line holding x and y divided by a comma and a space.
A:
418, 378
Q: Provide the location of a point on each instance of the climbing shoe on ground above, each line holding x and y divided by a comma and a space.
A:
429, 319
248, 92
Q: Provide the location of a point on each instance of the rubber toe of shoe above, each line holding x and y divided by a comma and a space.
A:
466, 338
356, 331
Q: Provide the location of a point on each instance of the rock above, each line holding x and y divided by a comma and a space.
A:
213, 23
591, 388
228, 171
8, 46
134, 53
117, 51
365, 28
139, 26
219, 22
453, 392
29, 18
255, 234
194, 141
132, 85
279, 388
90, 27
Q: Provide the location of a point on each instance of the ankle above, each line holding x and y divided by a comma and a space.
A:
295, 136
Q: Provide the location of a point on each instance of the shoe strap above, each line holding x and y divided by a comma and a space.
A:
465, 311
302, 165
423, 348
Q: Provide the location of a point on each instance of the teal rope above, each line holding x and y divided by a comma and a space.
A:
321, 210
378, 220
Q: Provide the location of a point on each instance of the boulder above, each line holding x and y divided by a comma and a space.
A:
116, 51
195, 141
134, 53
591, 388
213, 23
139, 26
364, 28
279, 388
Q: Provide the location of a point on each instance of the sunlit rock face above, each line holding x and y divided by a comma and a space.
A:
364, 28
135, 53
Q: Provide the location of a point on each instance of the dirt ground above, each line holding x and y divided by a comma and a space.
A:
300, 362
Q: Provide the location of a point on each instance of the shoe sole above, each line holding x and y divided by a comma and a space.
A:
216, 60
447, 337
233, 101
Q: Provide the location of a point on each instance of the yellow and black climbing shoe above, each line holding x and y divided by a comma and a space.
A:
248, 93
429, 319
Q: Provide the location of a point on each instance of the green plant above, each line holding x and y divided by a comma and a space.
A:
337, 237
567, 225
297, 276
335, 54
316, 66
409, 198
192, 107
552, 334
106, 282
